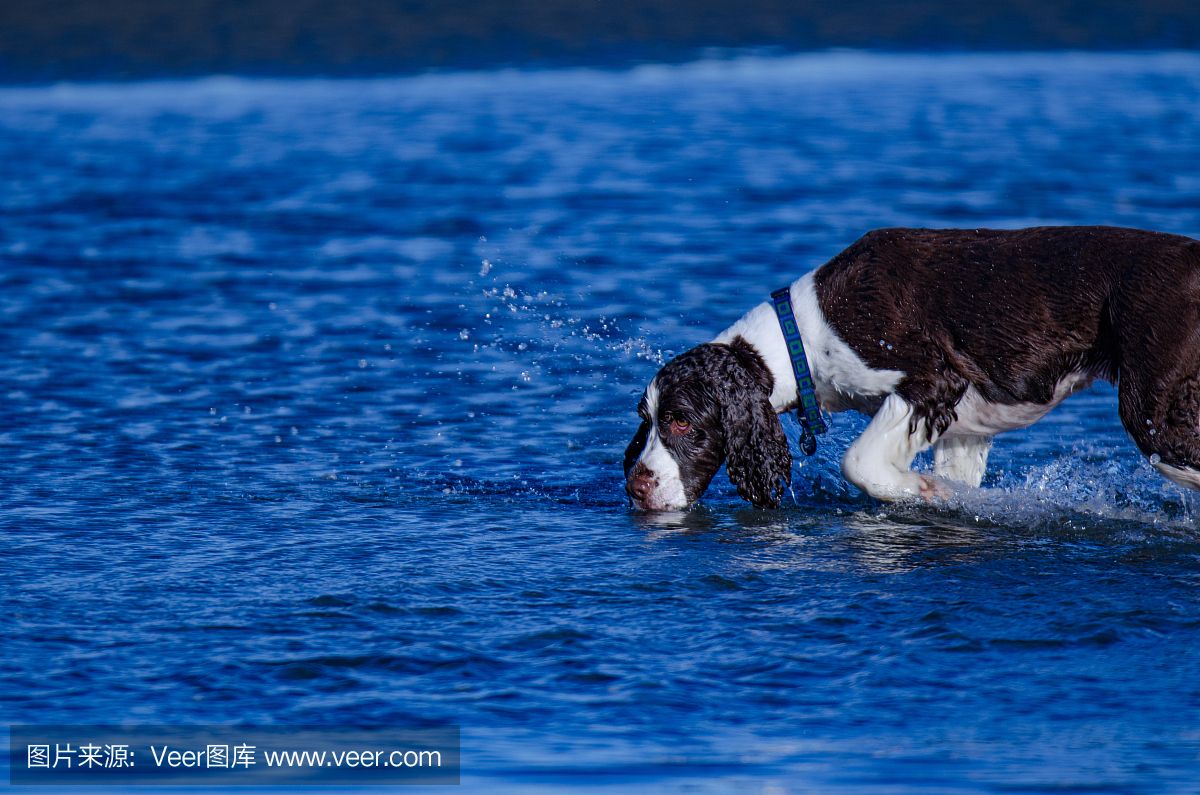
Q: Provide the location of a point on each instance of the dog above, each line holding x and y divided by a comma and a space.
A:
945, 338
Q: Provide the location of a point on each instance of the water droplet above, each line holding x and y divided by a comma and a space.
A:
485, 268
362, 362
889, 347
464, 335
1153, 431
1155, 458
882, 343
295, 431
278, 439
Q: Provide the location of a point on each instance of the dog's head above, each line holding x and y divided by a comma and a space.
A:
705, 407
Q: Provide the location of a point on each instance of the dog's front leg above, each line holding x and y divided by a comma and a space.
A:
962, 458
880, 460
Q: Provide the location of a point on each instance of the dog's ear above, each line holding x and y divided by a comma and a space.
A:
758, 460
757, 457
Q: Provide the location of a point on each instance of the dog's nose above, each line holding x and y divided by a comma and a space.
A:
639, 484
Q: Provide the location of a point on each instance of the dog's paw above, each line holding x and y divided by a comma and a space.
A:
934, 489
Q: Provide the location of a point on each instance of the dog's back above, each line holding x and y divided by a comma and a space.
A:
1009, 314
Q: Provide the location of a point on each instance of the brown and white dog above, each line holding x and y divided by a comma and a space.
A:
945, 337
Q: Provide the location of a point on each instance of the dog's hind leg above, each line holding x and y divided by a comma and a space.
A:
880, 460
1158, 371
1165, 423
962, 458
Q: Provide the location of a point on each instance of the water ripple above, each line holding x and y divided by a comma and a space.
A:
316, 392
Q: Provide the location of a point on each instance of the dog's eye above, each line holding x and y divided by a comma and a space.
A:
680, 426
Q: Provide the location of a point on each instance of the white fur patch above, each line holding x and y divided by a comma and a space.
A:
880, 460
843, 380
962, 458
979, 417
1184, 476
667, 492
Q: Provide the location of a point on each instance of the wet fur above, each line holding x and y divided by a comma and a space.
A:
724, 390
1011, 313
999, 324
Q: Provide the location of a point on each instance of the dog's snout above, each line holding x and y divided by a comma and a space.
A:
640, 483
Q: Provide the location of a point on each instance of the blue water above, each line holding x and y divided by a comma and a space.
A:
315, 394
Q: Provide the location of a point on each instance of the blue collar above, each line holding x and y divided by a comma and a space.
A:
809, 410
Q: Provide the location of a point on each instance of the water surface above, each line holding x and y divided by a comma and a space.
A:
315, 394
